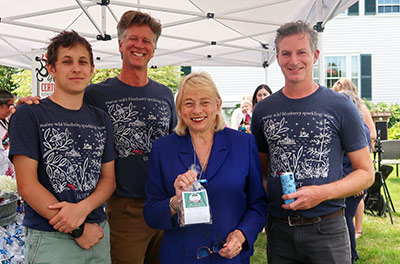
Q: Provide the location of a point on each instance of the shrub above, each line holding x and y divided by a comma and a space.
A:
384, 107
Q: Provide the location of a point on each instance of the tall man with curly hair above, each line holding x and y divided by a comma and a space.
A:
141, 111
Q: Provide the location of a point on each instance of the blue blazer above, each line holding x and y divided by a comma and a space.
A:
236, 196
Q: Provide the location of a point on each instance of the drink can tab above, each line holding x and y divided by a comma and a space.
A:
288, 184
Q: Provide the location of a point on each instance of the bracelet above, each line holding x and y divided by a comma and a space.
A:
172, 205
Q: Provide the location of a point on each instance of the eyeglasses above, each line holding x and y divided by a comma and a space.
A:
203, 252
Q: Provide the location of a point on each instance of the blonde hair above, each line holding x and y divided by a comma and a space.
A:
344, 84
246, 101
197, 82
354, 98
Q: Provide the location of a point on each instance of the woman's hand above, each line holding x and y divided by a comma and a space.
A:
233, 245
182, 182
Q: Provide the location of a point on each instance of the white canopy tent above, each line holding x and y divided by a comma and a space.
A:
195, 32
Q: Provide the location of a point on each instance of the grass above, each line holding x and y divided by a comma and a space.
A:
380, 242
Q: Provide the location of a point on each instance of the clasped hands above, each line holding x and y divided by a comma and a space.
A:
72, 215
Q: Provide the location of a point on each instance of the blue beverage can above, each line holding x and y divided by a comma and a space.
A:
288, 184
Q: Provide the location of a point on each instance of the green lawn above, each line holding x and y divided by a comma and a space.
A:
380, 242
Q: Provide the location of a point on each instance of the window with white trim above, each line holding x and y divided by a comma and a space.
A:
337, 67
388, 6
316, 71
355, 70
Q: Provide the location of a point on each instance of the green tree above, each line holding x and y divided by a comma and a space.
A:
168, 75
22, 79
393, 121
102, 75
6, 82
385, 107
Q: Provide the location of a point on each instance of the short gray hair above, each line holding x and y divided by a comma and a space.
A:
293, 28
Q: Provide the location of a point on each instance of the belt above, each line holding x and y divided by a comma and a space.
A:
298, 220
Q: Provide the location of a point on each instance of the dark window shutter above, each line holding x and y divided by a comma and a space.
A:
366, 76
370, 7
353, 10
186, 70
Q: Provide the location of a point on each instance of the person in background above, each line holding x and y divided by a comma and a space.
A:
247, 111
346, 84
304, 129
353, 200
262, 91
229, 162
242, 115
63, 154
6, 101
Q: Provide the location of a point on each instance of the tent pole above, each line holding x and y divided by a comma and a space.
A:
90, 18
321, 59
319, 28
103, 19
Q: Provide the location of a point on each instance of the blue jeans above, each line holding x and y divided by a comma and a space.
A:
324, 242
350, 211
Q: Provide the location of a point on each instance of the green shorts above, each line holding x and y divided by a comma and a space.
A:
55, 247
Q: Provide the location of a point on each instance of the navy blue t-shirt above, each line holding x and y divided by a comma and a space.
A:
308, 137
347, 168
139, 115
69, 145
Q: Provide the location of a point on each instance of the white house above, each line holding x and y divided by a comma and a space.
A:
362, 44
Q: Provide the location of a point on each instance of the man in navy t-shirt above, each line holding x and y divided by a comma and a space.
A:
141, 110
63, 154
304, 129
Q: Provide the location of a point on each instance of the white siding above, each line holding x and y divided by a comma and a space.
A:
378, 35
234, 82
275, 78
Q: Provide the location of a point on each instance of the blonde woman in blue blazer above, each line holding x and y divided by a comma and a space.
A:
229, 162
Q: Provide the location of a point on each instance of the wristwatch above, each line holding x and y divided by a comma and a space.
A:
77, 232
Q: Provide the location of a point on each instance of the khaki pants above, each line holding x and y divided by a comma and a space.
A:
132, 240
55, 247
